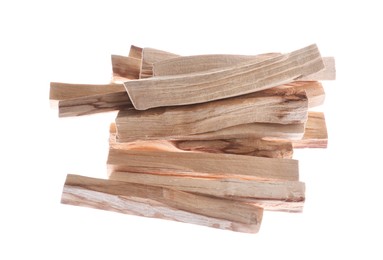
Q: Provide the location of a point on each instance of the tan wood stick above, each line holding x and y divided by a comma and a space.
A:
223, 83
202, 164
85, 99
61, 91
315, 132
200, 63
151, 56
135, 52
273, 195
314, 91
158, 202
248, 146
125, 67
271, 106
94, 104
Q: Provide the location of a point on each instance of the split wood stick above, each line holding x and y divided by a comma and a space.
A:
273, 195
315, 132
158, 202
85, 99
94, 104
125, 67
135, 52
223, 83
328, 73
254, 130
202, 164
314, 91
269, 106
151, 56
62, 91
200, 63
247, 146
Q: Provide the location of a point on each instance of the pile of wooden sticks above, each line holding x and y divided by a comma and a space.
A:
205, 139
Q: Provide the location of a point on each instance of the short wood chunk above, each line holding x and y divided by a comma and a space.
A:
202, 164
218, 84
162, 203
281, 106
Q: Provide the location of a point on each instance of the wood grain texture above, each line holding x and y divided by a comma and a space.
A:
223, 83
151, 56
135, 52
315, 132
247, 146
328, 73
200, 63
158, 202
281, 106
125, 67
62, 91
202, 164
86, 99
268, 194
314, 91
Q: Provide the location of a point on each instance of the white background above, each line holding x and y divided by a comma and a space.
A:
71, 41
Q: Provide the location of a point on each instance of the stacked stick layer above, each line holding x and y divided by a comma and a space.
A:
203, 139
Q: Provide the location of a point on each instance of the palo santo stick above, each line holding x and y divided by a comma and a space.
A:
151, 56
157, 202
269, 106
62, 91
94, 104
273, 195
202, 164
125, 67
328, 73
254, 147
85, 99
135, 52
200, 63
223, 83
315, 132
254, 130
314, 91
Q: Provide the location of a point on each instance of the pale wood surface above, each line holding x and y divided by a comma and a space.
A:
328, 73
125, 67
223, 83
202, 164
247, 146
200, 63
61, 91
314, 91
158, 202
135, 52
268, 194
315, 132
151, 56
281, 106
93, 104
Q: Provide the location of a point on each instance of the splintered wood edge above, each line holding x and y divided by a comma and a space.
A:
158, 202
